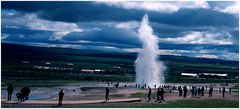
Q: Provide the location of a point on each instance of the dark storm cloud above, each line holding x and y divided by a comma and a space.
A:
195, 17
32, 6
91, 25
107, 34
235, 34
229, 48
106, 37
88, 11
164, 30
21, 31
26, 35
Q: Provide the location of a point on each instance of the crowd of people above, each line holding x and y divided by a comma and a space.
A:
196, 92
22, 95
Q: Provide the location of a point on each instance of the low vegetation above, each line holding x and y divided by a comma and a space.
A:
21, 62
211, 103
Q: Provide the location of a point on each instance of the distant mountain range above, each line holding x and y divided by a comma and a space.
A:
18, 49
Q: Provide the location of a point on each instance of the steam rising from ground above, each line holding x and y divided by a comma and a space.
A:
148, 69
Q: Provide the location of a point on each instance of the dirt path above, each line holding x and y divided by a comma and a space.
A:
45, 102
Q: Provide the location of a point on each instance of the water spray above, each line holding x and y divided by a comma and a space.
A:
149, 71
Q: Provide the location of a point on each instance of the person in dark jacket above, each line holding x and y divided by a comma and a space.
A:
10, 91
195, 92
158, 94
199, 92
192, 90
223, 92
149, 94
202, 91
107, 94
20, 96
60, 95
27, 92
23, 94
230, 91
180, 90
184, 91
210, 91
162, 95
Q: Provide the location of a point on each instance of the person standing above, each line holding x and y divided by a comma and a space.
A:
180, 90
199, 91
184, 91
162, 95
107, 94
193, 88
230, 90
10, 91
170, 89
27, 89
149, 94
202, 91
23, 94
61, 94
223, 92
117, 84
158, 94
210, 91
195, 92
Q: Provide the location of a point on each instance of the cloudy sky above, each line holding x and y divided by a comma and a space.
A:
195, 29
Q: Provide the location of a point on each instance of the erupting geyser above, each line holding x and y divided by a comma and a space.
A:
148, 69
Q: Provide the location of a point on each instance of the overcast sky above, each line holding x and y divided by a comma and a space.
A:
195, 29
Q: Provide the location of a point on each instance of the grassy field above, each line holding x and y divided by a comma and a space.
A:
119, 65
212, 103
138, 95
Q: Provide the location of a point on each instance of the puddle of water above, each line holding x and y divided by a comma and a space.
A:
39, 93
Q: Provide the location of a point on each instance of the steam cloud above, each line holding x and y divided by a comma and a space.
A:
148, 69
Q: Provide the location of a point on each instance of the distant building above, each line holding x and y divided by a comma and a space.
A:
39, 67
97, 70
213, 75
91, 70
206, 75
87, 70
190, 74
